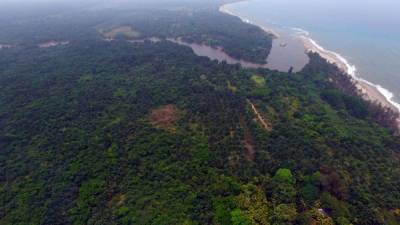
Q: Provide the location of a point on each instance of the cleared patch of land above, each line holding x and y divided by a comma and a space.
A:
125, 31
52, 43
165, 117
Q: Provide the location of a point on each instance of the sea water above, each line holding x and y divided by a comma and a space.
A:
365, 32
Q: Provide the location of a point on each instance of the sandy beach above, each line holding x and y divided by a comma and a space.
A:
287, 51
224, 9
369, 91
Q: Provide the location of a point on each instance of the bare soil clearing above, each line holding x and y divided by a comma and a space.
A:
52, 43
165, 117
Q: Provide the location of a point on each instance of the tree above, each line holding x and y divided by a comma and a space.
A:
284, 214
310, 191
254, 204
335, 207
238, 218
316, 217
284, 175
284, 190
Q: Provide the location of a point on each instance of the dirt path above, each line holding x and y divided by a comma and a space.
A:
248, 141
259, 117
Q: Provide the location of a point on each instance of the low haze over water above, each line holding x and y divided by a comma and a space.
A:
365, 32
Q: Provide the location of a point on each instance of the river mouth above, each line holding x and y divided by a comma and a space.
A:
287, 51
358, 39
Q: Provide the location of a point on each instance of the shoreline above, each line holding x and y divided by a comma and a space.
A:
368, 91
224, 9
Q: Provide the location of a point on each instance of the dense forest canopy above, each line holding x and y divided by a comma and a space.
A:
134, 131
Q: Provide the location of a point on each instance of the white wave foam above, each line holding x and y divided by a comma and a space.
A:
300, 31
388, 95
385, 92
352, 71
224, 9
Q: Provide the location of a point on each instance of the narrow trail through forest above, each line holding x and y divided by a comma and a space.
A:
259, 117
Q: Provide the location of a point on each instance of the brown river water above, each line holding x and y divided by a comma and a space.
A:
276, 59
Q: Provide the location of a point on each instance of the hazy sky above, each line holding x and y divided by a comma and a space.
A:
35, 4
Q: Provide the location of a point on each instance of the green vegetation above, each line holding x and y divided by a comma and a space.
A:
284, 175
99, 132
259, 80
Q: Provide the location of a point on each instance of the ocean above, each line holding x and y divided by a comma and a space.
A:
364, 32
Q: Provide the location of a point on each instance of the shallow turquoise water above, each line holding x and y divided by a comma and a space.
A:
365, 32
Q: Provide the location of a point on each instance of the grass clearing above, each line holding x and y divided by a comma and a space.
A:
231, 87
259, 80
126, 31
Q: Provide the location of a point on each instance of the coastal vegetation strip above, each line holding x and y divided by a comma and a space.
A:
368, 91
